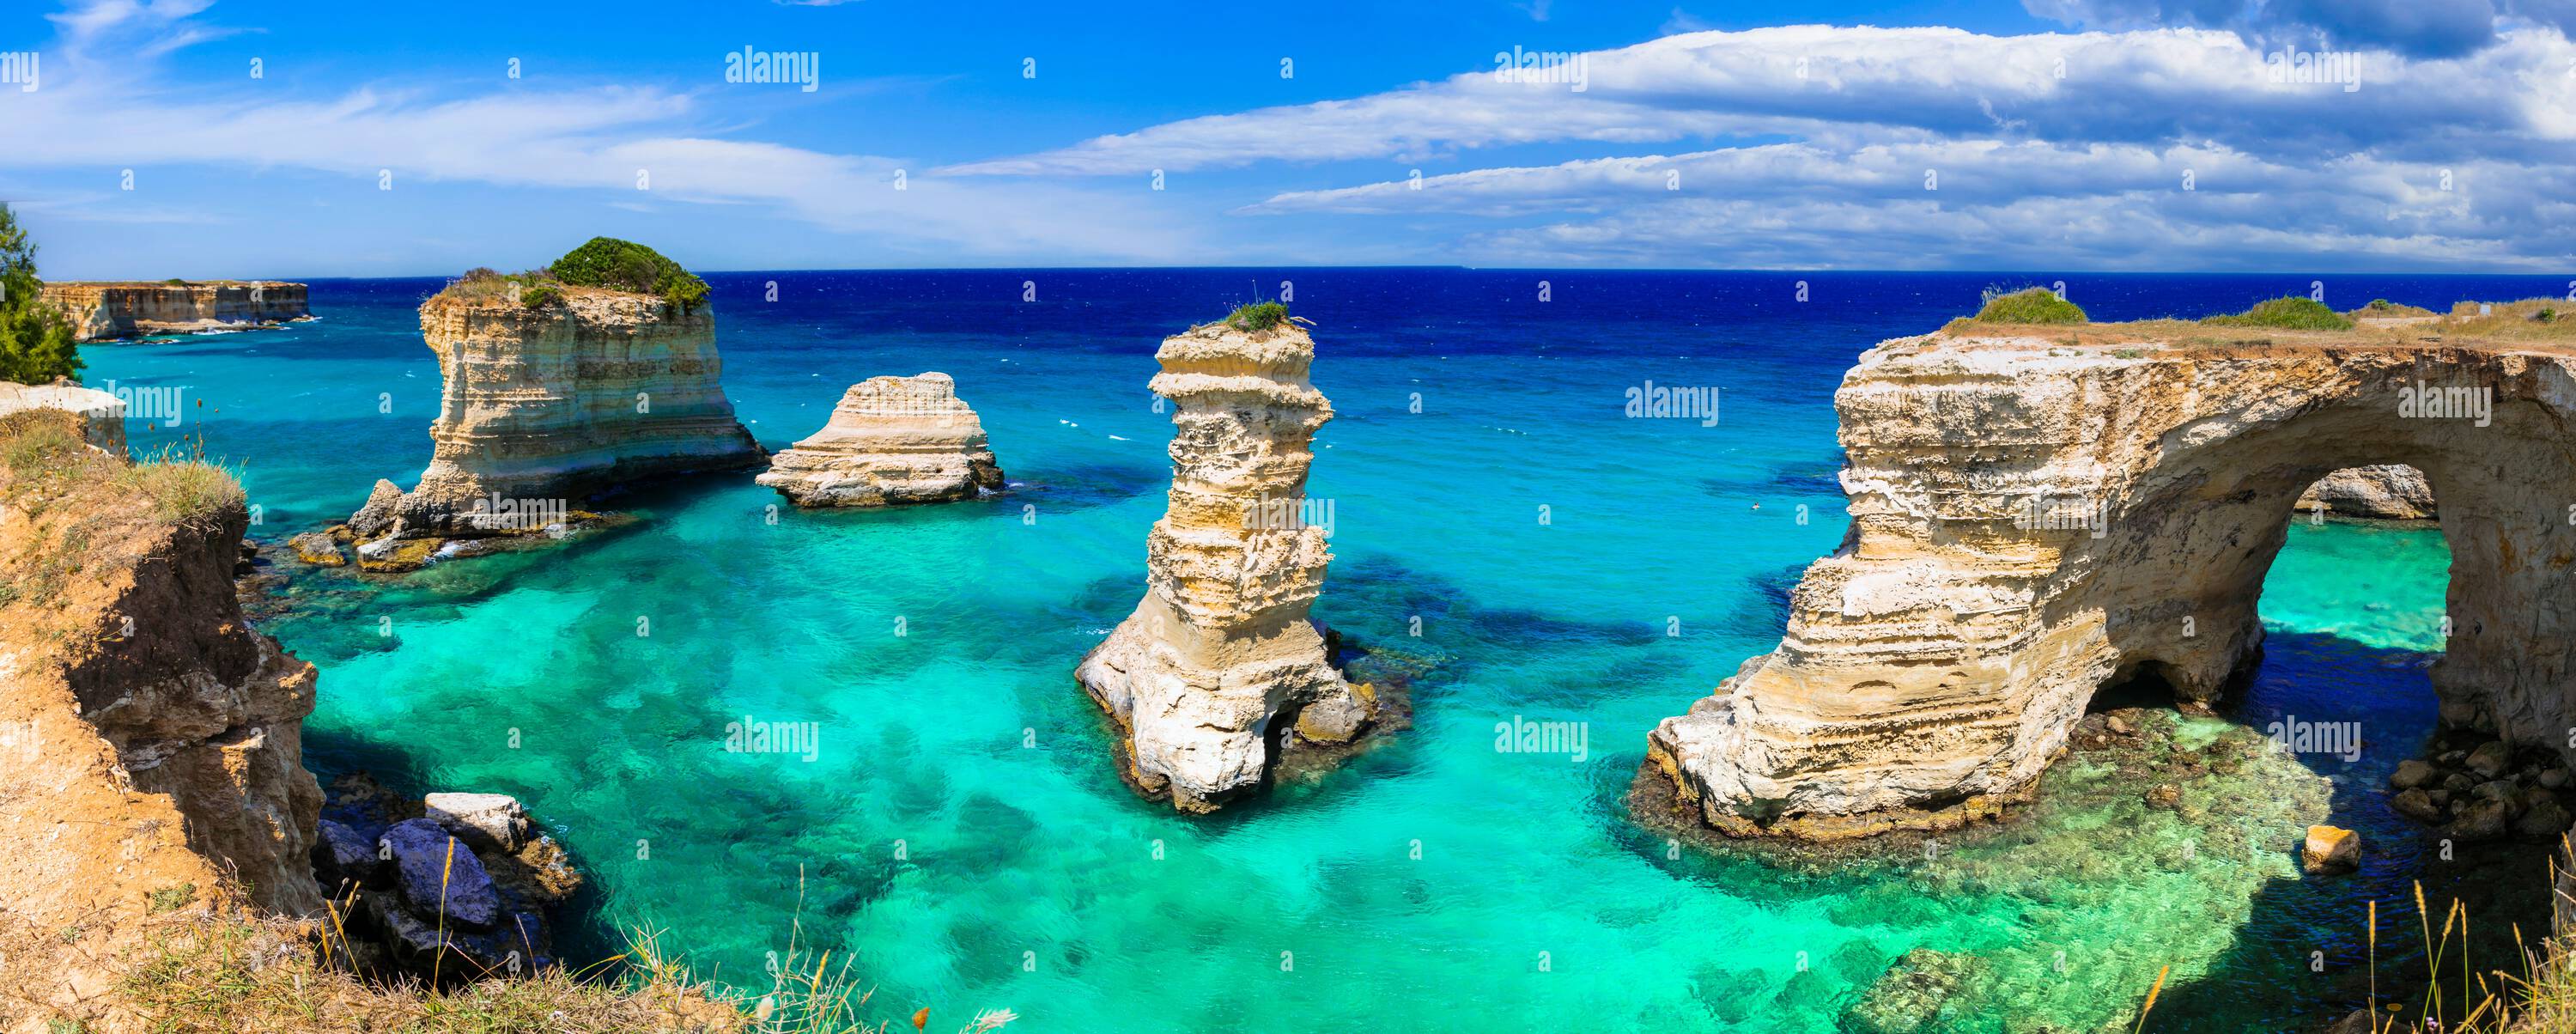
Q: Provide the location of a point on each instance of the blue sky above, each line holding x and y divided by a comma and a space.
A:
390, 139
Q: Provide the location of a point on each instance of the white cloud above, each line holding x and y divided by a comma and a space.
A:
2069, 146
596, 139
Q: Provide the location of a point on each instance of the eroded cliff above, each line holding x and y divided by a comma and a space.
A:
152, 739
102, 311
1221, 653
2033, 519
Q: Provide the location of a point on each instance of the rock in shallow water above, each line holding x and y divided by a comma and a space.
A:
438, 874
2330, 849
488, 821
891, 440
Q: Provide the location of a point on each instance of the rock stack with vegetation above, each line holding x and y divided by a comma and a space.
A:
598, 371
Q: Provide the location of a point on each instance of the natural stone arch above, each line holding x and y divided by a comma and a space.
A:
1936, 663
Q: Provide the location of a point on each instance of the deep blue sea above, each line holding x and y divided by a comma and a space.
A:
960, 832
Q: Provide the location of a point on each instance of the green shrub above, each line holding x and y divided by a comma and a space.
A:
2029, 305
2288, 313
35, 340
1258, 316
174, 282
627, 266
538, 296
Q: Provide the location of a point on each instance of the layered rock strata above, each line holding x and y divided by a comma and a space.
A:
891, 440
108, 310
2383, 492
1219, 669
546, 406
2031, 521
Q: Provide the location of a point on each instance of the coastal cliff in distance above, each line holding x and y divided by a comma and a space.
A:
104, 310
1221, 649
891, 440
548, 402
2036, 514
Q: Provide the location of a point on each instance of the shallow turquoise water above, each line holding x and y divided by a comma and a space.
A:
959, 830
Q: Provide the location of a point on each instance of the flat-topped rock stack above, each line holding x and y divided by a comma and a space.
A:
546, 405
2036, 514
890, 441
1221, 651
106, 310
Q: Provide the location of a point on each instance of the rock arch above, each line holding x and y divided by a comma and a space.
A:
2029, 519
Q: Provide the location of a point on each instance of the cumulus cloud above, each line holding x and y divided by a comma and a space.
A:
2426, 28
2146, 148
605, 139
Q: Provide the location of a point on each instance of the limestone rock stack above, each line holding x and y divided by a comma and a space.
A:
545, 406
103, 311
2031, 522
2381, 492
1221, 652
891, 440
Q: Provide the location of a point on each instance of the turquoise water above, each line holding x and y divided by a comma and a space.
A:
959, 831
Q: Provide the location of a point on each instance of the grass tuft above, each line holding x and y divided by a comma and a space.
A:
2287, 313
1257, 317
2029, 305
185, 490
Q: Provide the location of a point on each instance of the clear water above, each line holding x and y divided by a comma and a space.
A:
960, 832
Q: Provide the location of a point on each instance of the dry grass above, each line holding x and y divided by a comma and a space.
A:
2504, 323
215, 974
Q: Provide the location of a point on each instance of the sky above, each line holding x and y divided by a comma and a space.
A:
203, 139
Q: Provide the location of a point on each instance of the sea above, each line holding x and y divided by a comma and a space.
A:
1501, 529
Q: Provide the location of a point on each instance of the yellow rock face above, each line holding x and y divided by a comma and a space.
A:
2031, 521
2330, 849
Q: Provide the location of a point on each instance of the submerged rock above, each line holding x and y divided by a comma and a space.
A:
890, 441
317, 548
